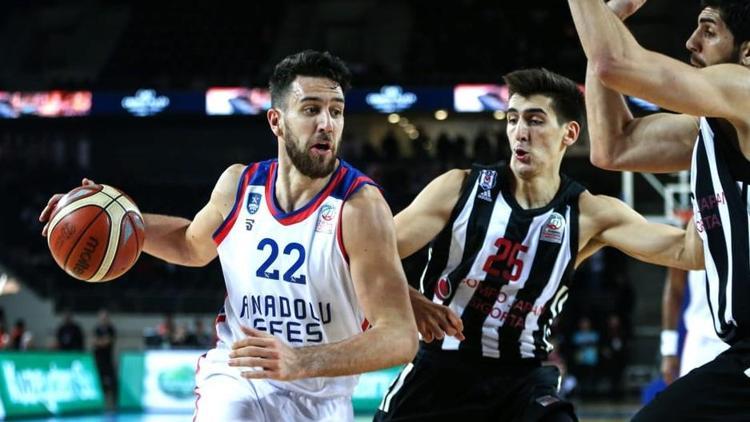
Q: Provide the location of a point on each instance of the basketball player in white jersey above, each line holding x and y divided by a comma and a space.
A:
715, 147
308, 251
505, 242
701, 344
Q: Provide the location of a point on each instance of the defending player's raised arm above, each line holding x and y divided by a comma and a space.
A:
428, 214
661, 142
623, 65
658, 143
609, 222
185, 242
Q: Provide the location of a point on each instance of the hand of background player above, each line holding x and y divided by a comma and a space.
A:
625, 8
435, 321
670, 368
268, 355
52, 203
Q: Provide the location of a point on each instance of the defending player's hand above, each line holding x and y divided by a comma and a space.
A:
625, 8
435, 321
267, 355
52, 203
670, 368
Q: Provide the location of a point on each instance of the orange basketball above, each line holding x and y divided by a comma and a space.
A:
96, 233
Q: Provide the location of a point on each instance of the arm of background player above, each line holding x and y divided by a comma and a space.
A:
185, 242
624, 66
674, 291
416, 226
608, 221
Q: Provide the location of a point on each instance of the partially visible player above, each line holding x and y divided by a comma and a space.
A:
701, 344
715, 146
308, 251
505, 242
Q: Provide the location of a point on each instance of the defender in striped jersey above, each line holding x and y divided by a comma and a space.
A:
505, 242
716, 149
308, 251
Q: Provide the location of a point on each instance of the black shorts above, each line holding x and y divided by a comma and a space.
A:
717, 391
448, 386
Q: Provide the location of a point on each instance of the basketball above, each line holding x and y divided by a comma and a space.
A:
96, 233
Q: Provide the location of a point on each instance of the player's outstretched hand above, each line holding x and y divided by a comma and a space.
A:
267, 355
625, 8
670, 368
52, 203
435, 321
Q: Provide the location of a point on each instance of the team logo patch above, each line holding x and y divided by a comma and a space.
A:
553, 229
325, 219
443, 289
253, 202
547, 400
487, 181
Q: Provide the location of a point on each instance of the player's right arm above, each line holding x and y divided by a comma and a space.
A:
657, 143
674, 289
430, 211
416, 226
190, 243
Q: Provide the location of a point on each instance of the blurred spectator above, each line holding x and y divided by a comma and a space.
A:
585, 343
614, 355
199, 337
20, 337
69, 334
104, 341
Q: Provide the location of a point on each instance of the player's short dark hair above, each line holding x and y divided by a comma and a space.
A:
735, 14
567, 99
307, 63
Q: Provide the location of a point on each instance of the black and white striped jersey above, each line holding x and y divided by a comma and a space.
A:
721, 205
504, 269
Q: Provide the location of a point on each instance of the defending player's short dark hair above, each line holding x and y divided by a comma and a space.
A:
567, 99
307, 63
735, 14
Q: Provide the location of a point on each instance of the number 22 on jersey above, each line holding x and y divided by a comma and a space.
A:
269, 271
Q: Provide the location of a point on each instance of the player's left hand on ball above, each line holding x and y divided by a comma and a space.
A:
52, 203
268, 355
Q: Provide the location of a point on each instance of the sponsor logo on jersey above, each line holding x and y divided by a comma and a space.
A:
249, 224
326, 219
253, 202
443, 289
487, 181
553, 229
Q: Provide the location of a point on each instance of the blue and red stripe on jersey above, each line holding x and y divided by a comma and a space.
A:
344, 182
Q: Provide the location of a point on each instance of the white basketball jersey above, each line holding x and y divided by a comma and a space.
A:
697, 315
287, 273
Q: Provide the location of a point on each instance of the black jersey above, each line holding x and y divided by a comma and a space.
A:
504, 269
721, 204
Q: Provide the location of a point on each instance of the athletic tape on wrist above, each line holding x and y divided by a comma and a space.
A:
669, 343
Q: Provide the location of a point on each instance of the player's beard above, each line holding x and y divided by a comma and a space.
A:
312, 167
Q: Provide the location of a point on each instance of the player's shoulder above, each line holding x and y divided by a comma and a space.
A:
452, 181
590, 203
231, 175
604, 210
